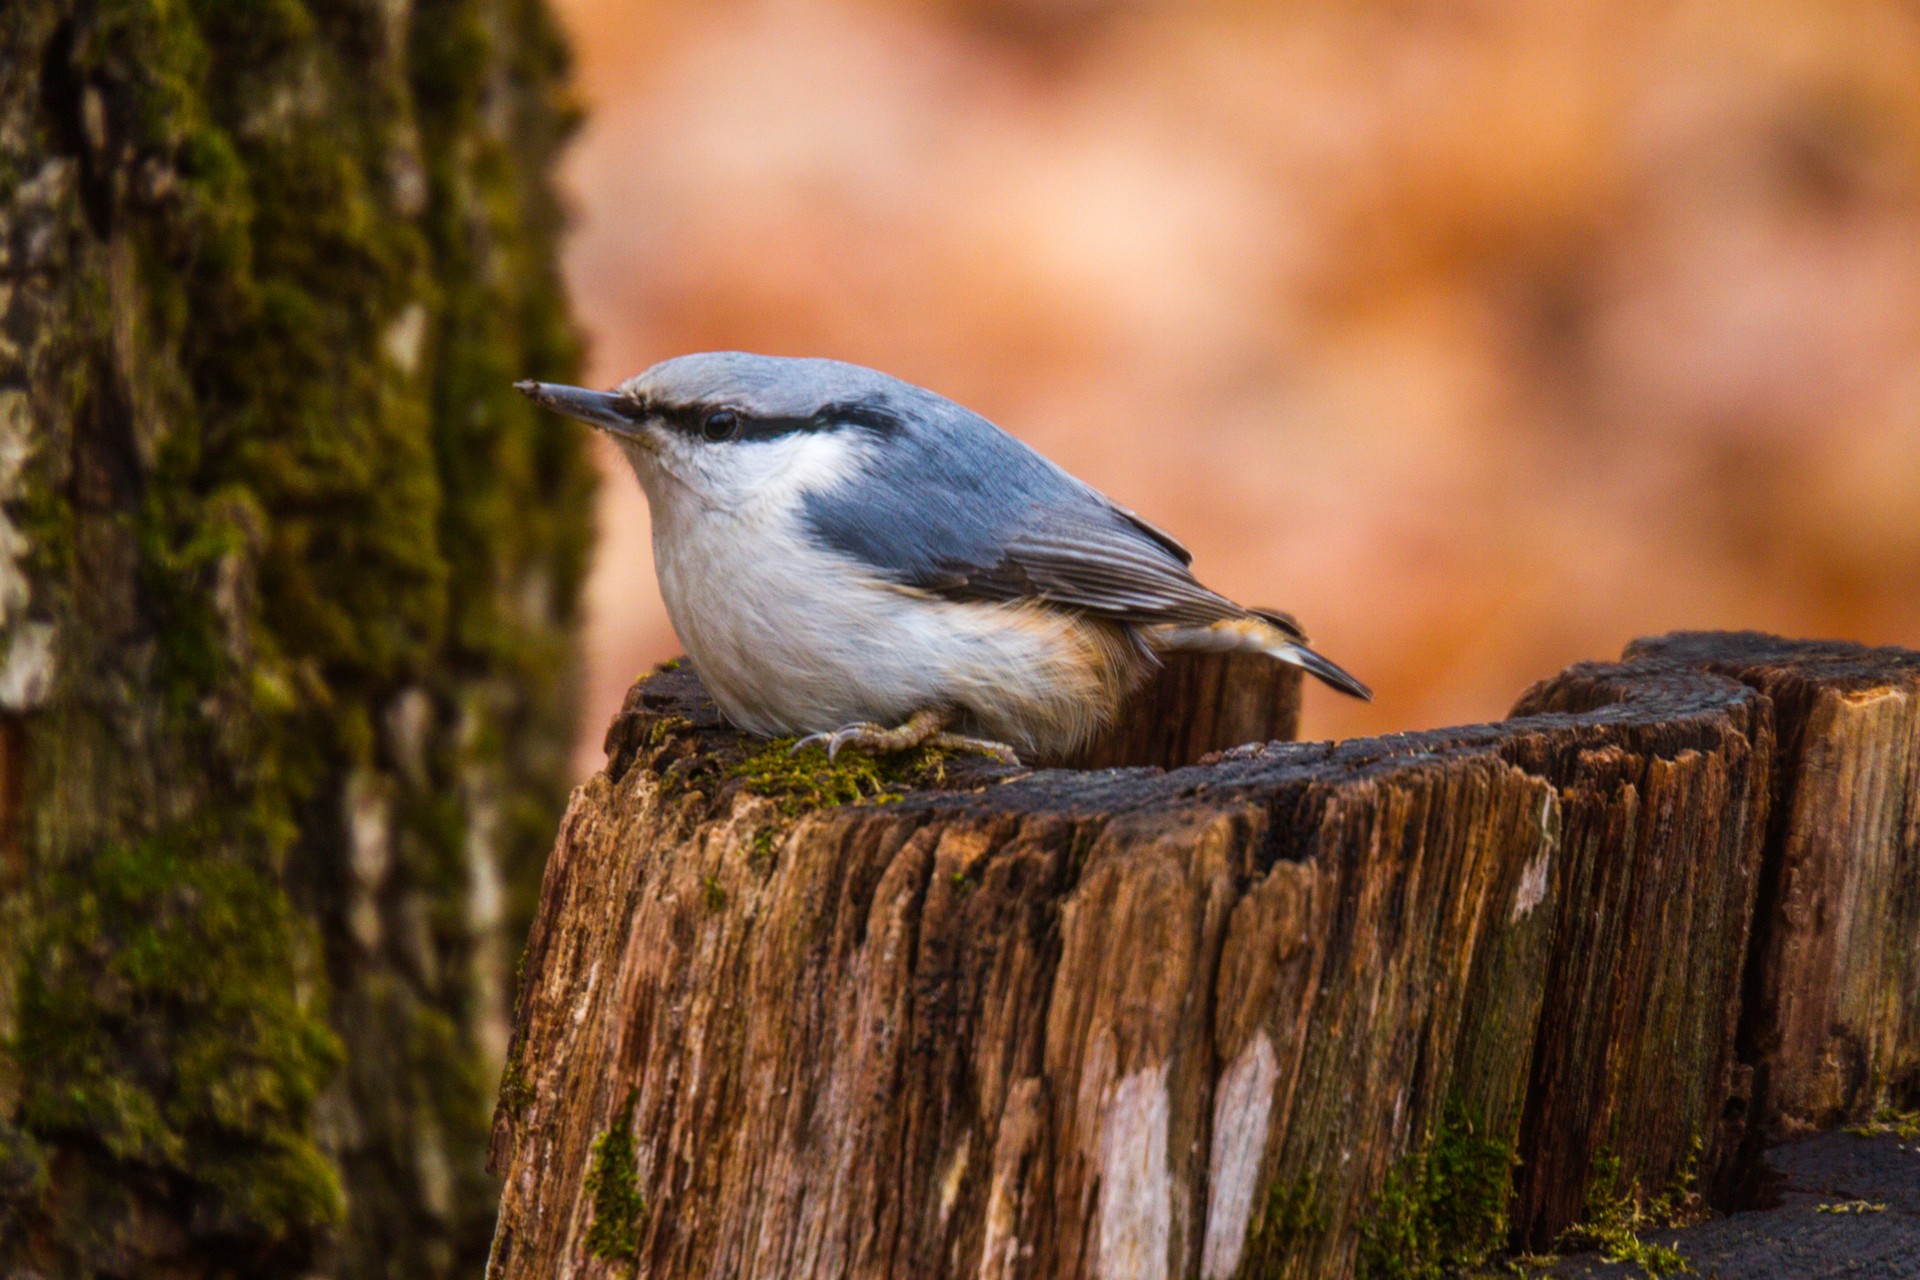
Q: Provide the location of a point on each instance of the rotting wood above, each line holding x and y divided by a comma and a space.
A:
1141, 1023
1661, 837
1831, 1020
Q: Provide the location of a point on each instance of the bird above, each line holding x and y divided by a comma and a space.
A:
856, 561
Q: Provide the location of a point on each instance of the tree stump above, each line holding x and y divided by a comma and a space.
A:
1302, 1009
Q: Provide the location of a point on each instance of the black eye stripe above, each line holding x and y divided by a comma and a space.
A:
693, 420
869, 417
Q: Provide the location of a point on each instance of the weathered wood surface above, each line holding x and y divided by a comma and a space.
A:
1195, 704
1832, 1023
1208, 1022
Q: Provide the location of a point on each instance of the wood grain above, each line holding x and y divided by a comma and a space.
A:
1195, 704
1135, 1022
1831, 1024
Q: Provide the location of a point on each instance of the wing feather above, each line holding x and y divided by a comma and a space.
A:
1091, 558
958, 508
1103, 567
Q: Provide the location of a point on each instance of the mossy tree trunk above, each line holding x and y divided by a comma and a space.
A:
286, 577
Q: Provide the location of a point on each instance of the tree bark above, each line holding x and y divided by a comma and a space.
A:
287, 574
1303, 1009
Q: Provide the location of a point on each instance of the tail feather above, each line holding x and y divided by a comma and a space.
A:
1257, 633
1315, 665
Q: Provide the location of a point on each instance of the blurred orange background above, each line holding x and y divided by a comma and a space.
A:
1484, 337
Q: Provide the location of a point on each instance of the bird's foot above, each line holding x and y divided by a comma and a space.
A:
922, 729
874, 739
979, 746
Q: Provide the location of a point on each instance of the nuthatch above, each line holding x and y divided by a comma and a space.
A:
853, 558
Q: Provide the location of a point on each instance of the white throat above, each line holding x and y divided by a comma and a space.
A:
740, 476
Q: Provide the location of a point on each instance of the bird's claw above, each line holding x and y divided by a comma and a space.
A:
835, 739
924, 730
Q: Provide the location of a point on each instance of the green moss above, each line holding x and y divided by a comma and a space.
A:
613, 1186
1890, 1123
1680, 1203
803, 781
161, 957
1617, 1212
765, 848
1851, 1207
1290, 1215
516, 1091
714, 893
1443, 1208
665, 727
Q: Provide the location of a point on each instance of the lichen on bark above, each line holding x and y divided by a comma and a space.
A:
286, 580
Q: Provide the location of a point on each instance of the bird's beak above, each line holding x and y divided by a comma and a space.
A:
601, 409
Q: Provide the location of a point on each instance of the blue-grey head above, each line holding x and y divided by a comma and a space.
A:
731, 426
904, 481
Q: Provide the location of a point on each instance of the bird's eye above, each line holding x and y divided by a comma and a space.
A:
721, 424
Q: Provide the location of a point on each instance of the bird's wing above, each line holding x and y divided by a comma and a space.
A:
972, 514
1173, 545
1098, 561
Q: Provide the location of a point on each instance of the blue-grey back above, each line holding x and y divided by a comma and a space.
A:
950, 503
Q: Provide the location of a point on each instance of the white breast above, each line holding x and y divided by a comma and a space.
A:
778, 630
791, 637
